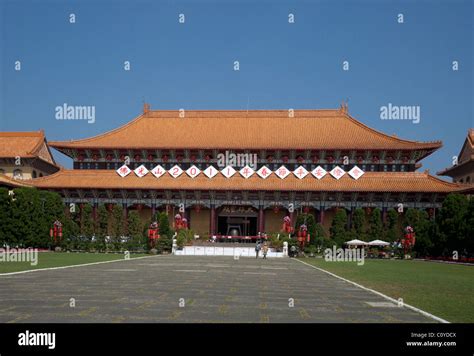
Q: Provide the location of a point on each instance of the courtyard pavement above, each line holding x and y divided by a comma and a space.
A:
192, 289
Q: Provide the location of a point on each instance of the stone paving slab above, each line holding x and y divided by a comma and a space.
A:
214, 289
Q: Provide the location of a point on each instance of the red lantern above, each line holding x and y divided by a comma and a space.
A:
137, 158
315, 158
270, 159
108, 157
150, 157
153, 235
287, 225
389, 159
360, 159
165, 158
405, 159
330, 159
95, 156
80, 157
193, 158
179, 158
306, 209
375, 159
300, 159
207, 158
285, 159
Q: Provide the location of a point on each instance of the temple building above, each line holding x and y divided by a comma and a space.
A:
313, 161
24, 156
463, 170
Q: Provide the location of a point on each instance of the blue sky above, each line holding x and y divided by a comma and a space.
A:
282, 65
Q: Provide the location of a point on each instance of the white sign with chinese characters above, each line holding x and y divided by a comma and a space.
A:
264, 172
141, 171
158, 171
246, 172
123, 171
356, 172
337, 172
319, 172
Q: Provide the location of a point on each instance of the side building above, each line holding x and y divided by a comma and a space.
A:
23, 156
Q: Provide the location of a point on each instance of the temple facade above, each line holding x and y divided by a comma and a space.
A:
246, 170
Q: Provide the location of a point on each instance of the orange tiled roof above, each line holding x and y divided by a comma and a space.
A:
25, 145
22, 144
14, 183
253, 130
369, 182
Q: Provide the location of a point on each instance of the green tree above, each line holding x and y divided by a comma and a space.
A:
452, 225
118, 228
338, 230
375, 225
165, 242
135, 231
392, 226
87, 226
101, 227
358, 225
5, 218
419, 221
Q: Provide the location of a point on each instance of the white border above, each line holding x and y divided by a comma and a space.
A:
380, 294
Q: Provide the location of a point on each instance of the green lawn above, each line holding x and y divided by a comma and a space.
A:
58, 259
444, 290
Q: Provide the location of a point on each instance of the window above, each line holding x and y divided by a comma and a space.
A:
17, 174
2, 171
394, 168
33, 174
385, 168
402, 168
468, 179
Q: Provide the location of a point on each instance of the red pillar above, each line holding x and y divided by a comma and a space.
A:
321, 216
153, 210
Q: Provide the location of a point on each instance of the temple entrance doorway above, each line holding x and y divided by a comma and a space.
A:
237, 221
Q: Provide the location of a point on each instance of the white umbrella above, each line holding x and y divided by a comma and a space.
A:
356, 243
378, 243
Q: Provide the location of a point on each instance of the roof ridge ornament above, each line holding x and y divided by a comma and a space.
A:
344, 106
146, 108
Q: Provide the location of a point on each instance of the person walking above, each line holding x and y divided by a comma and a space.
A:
265, 250
258, 247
